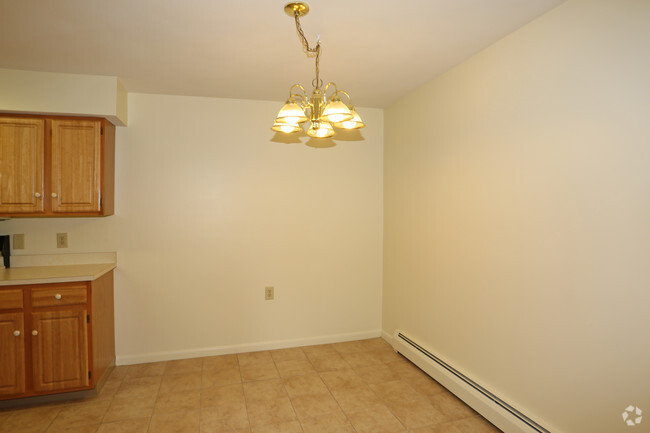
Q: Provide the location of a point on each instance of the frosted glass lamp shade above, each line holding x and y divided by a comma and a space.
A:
336, 111
287, 128
291, 113
354, 123
321, 130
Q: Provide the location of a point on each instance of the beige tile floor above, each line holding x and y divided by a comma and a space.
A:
353, 387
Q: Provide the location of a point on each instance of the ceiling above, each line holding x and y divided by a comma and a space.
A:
376, 50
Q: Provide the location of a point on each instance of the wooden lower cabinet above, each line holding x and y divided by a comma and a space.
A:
12, 354
59, 350
60, 339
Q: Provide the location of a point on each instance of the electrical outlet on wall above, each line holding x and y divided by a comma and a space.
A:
62, 240
19, 242
269, 293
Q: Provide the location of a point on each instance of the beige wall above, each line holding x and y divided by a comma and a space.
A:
517, 216
209, 211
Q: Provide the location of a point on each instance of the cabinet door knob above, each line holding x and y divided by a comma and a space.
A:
16, 333
57, 296
34, 332
53, 195
37, 194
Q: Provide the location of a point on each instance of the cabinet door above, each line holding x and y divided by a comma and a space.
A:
21, 165
12, 354
76, 165
59, 350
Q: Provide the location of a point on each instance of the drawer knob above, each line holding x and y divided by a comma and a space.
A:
53, 195
16, 333
37, 194
34, 332
57, 296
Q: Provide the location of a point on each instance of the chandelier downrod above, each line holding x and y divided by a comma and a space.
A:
309, 50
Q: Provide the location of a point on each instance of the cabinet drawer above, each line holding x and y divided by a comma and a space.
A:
56, 296
10, 299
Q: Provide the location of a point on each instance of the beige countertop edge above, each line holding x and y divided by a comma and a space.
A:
53, 274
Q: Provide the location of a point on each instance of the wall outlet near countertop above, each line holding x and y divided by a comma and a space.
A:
62, 240
19, 241
269, 293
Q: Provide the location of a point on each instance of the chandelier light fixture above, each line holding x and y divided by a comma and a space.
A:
324, 108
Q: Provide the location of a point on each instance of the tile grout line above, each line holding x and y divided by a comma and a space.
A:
371, 390
330, 391
200, 393
391, 411
156, 400
53, 419
241, 380
285, 389
105, 412
114, 394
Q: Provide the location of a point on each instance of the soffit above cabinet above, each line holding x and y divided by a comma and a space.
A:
50, 93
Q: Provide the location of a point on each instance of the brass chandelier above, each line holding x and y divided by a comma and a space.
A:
322, 111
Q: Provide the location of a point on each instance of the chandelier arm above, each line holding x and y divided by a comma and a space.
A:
302, 95
346, 94
309, 50
331, 83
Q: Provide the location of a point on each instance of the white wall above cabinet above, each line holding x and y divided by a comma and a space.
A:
63, 94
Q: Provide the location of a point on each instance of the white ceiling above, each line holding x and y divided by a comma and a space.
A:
376, 50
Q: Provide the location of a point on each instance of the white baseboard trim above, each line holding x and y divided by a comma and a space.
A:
388, 337
247, 347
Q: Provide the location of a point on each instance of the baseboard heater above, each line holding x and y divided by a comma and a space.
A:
491, 407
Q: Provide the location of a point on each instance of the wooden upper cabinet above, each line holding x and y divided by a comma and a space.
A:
56, 166
22, 149
12, 354
76, 166
59, 350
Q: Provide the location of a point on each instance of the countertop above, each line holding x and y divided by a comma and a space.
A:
53, 274
57, 269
